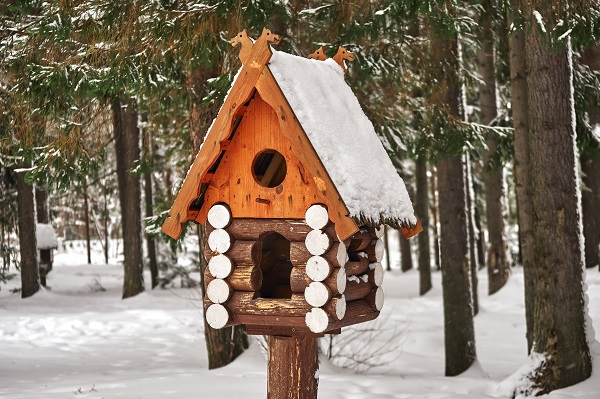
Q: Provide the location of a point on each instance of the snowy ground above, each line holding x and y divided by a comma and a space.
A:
80, 340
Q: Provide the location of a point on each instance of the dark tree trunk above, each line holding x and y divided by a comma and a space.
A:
41, 210
480, 238
434, 215
590, 166
86, 217
127, 147
520, 116
406, 263
422, 211
471, 229
590, 204
386, 242
559, 328
459, 335
106, 233
497, 263
30, 277
148, 196
224, 345
41, 205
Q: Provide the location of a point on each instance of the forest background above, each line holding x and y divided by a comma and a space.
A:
489, 110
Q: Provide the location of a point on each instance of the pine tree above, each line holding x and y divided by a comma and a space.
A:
559, 331
459, 335
493, 175
590, 168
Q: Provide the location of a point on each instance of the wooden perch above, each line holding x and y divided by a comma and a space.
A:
343, 55
319, 55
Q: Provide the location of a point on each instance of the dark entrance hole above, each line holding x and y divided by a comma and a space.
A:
269, 168
276, 267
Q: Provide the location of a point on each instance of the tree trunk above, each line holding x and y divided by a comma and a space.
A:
459, 335
590, 166
224, 345
481, 236
559, 329
41, 205
386, 242
468, 174
86, 217
293, 367
106, 233
148, 196
520, 116
405, 253
30, 277
127, 152
422, 211
41, 210
434, 214
493, 176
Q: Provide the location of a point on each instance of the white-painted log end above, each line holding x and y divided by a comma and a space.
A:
317, 294
219, 216
379, 250
342, 255
219, 241
317, 242
318, 268
220, 266
217, 316
379, 298
316, 216
317, 320
341, 280
377, 273
340, 307
218, 291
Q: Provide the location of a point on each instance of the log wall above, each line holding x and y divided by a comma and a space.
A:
330, 283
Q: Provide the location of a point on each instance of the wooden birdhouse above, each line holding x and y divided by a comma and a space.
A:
294, 188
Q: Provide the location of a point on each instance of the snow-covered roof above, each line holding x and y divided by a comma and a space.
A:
344, 138
45, 236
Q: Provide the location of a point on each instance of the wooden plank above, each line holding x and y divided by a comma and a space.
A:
253, 229
283, 331
220, 131
305, 152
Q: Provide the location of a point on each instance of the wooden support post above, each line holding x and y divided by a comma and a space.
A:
292, 369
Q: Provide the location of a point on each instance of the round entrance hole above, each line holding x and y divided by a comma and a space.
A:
269, 168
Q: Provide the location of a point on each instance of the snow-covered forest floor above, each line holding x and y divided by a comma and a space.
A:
80, 340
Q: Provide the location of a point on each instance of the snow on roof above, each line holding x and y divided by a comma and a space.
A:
45, 236
343, 137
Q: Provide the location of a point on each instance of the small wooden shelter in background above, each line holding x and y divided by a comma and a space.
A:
294, 188
45, 237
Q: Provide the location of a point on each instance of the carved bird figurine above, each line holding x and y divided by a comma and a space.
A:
319, 55
343, 55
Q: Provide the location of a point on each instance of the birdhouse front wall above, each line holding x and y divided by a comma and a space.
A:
290, 276
236, 183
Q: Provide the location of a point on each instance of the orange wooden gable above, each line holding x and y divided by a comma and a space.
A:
221, 171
